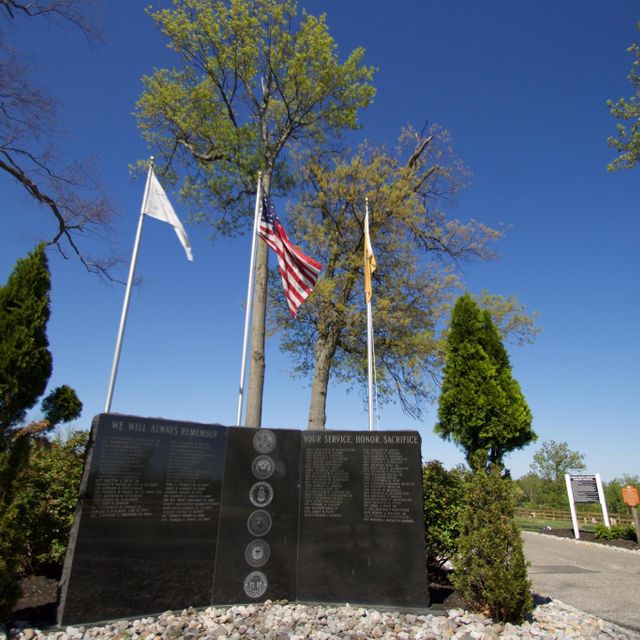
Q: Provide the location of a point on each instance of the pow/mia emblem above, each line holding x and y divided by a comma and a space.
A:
255, 584
263, 467
259, 523
257, 553
261, 494
264, 441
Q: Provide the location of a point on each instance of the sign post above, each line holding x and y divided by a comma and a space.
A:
630, 498
572, 506
587, 488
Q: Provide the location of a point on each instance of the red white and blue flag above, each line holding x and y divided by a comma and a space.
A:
299, 272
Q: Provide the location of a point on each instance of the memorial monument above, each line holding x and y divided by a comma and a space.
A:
176, 514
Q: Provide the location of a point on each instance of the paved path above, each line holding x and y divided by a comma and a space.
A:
601, 580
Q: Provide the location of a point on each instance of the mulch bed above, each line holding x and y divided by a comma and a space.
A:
588, 536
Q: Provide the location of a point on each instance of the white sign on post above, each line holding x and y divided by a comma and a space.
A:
585, 488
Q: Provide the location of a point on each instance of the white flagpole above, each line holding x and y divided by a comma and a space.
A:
370, 362
247, 314
369, 345
127, 294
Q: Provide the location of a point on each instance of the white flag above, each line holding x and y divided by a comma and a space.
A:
158, 206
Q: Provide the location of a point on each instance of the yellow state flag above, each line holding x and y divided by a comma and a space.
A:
369, 260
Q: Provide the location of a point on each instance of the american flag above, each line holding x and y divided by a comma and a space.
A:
299, 272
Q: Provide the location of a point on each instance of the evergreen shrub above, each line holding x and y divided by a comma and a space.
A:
490, 572
443, 502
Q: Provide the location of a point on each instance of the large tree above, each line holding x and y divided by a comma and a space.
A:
627, 112
417, 249
253, 77
481, 408
31, 147
553, 459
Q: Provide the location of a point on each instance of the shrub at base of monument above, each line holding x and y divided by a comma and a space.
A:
443, 502
490, 572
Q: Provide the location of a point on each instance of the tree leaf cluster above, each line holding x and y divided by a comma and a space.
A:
627, 112
417, 248
554, 459
481, 408
46, 496
253, 77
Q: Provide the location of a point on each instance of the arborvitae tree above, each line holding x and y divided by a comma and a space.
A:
511, 428
490, 572
25, 360
481, 407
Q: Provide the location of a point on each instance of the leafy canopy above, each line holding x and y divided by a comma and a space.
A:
554, 459
627, 111
416, 246
255, 75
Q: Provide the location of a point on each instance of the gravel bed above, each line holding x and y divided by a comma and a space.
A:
286, 621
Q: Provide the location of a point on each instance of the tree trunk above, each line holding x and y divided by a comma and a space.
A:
255, 386
325, 350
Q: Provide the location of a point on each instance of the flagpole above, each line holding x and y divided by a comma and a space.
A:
127, 294
369, 344
247, 314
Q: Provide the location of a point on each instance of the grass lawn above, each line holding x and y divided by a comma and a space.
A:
535, 524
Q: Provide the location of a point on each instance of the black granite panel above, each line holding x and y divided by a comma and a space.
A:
257, 543
361, 536
145, 535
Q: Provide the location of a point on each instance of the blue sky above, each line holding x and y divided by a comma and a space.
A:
521, 86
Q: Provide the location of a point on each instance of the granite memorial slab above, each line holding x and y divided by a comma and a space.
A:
258, 538
145, 535
361, 520
177, 514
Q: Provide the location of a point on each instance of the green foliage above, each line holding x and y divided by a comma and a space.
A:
554, 459
416, 248
482, 408
537, 492
61, 405
25, 367
443, 502
25, 360
490, 572
513, 322
253, 76
46, 498
627, 141
616, 532
10, 543
613, 492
